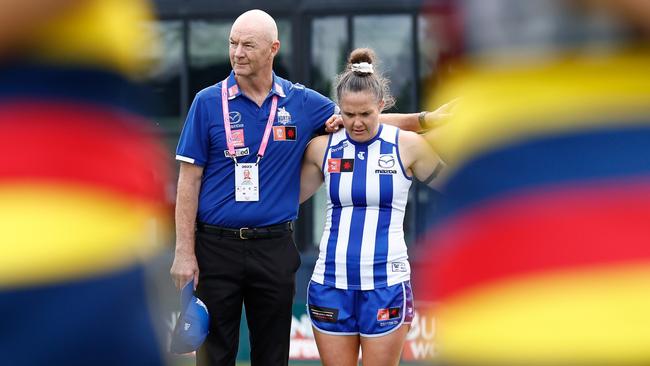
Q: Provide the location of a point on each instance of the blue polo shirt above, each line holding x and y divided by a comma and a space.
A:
301, 113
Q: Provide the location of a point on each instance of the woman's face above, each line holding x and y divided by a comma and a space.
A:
360, 113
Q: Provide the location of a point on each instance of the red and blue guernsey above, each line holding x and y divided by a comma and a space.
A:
542, 253
363, 247
82, 186
83, 208
301, 112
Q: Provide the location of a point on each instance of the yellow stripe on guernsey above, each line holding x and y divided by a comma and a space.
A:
594, 316
88, 231
504, 105
107, 33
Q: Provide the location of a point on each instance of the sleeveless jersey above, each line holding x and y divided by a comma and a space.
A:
363, 245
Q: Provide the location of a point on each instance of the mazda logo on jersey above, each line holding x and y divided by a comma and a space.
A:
386, 161
235, 117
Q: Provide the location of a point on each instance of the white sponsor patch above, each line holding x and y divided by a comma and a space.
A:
238, 152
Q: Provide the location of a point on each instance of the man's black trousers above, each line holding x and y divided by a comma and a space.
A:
258, 273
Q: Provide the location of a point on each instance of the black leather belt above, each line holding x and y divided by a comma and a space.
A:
267, 232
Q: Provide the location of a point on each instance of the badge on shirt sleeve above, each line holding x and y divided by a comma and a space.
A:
246, 183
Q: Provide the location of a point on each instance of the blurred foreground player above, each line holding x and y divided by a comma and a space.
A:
541, 256
81, 185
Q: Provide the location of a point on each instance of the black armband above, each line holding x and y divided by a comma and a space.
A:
435, 173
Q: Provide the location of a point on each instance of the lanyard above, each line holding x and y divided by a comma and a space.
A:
226, 123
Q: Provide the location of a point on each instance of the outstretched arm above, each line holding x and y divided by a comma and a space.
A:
311, 176
423, 121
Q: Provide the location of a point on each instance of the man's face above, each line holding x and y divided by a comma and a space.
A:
251, 51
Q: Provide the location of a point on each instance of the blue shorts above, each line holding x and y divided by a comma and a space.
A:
369, 313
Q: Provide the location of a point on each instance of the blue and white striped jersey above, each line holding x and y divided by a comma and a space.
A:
363, 245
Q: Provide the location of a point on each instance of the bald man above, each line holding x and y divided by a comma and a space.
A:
238, 187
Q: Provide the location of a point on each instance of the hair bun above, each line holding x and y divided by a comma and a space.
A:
360, 55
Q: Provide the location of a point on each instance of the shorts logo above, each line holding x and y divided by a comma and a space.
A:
237, 138
398, 266
284, 117
284, 133
238, 152
328, 315
387, 314
340, 165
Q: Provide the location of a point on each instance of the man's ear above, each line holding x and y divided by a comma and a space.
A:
275, 47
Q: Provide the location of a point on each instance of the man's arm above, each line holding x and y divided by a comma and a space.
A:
423, 121
311, 176
404, 121
185, 266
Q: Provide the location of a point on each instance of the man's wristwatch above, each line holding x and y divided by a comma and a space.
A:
422, 119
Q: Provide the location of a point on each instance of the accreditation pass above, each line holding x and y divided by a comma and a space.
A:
247, 187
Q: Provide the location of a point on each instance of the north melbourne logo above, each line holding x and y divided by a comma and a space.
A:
284, 117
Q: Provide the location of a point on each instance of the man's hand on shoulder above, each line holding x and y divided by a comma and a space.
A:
333, 123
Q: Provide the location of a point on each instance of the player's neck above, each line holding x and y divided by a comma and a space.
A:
256, 87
